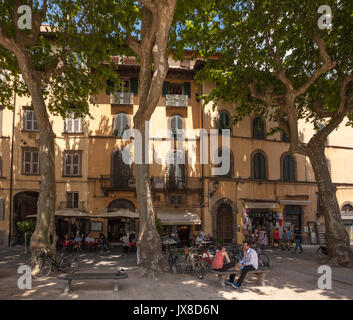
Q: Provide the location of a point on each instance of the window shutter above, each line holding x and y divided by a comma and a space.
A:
2, 209
187, 89
28, 120
165, 89
134, 86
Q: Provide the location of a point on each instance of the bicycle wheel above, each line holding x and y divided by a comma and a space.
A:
40, 268
69, 264
322, 252
200, 270
264, 261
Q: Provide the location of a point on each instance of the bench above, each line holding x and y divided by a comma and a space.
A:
68, 277
223, 274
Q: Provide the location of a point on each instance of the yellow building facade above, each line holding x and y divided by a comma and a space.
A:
265, 187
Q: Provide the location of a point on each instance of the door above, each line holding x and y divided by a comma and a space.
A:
225, 222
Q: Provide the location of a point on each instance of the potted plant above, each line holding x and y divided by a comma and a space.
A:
27, 227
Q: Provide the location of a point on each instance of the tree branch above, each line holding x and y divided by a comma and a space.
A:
134, 44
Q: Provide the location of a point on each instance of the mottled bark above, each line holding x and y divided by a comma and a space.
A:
45, 233
337, 238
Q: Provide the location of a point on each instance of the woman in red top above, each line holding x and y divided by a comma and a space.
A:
219, 265
276, 238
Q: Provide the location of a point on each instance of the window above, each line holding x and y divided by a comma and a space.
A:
284, 136
72, 200
347, 209
176, 88
30, 162
258, 128
72, 124
288, 168
223, 121
259, 166
176, 125
121, 123
72, 163
122, 171
176, 199
176, 169
30, 121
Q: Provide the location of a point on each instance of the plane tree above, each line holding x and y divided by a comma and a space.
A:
51, 52
284, 61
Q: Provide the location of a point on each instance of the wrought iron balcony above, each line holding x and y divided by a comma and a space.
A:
113, 183
69, 205
122, 98
176, 100
163, 184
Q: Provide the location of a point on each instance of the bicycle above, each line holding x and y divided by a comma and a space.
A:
264, 260
43, 265
322, 251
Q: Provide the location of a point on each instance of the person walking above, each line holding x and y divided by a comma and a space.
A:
298, 239
285, 239
250, 262
276, 238
219, 265
126, 244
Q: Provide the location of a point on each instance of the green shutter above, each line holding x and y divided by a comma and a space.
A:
165, 89
134, 85
187, 89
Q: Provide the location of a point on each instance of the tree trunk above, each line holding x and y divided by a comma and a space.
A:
149, 239
337, 239
44, 234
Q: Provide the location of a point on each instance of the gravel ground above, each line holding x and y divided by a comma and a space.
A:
294, 276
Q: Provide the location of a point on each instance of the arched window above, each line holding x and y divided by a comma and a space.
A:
122, 171
288, 168
229, 157
347, 209
259, 166
176, 169
121, 123
223, 121
258, 128
176, 125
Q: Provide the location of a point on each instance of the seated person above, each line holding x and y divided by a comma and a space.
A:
219, 265
250, 262
78, 240
89, 239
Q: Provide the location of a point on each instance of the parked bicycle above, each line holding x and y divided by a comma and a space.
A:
43, 265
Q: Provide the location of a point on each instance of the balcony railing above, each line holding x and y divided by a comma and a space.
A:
122, 98
112, 183
176, 100
163, 184
68, 205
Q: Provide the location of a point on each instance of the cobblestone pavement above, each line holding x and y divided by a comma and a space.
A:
294, 276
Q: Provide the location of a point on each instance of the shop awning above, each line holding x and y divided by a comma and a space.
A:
66, 213
117, 213
261, 205
178, 217
295, 202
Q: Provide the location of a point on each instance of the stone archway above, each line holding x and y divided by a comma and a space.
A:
25, 204
224, 217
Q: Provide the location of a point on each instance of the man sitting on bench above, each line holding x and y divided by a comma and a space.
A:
219, 265
250, 262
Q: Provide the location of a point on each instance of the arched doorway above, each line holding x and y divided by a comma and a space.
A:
119, 225
225, 224
25, 204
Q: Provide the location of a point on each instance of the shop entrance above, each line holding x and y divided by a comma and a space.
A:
225, 222
293, 216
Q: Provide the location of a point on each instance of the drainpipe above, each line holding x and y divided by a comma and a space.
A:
11, 226
202, 169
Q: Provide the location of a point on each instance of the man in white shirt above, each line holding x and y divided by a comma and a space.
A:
248, 263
